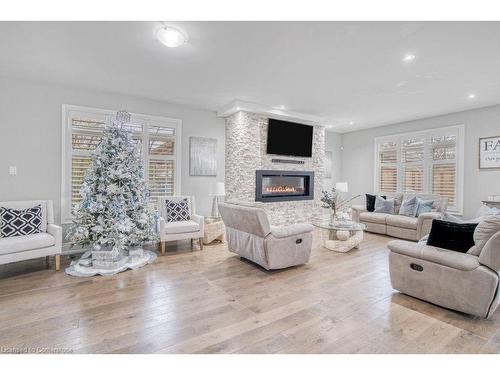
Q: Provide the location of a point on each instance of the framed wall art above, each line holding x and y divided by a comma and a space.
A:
202, 156
489, 152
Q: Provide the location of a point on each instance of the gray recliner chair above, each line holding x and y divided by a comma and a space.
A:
466, 282
250, 235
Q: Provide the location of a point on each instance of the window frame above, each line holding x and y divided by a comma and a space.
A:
67, 152
427, 163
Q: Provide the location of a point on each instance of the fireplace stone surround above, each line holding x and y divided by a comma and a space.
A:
246, 137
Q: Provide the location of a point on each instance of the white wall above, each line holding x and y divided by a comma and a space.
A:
333, 143
357, 157
30, 137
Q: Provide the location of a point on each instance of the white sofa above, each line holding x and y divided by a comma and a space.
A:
180, 230
250, 235
44, 244
400, 226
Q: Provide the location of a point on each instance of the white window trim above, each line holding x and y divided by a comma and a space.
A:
460, 157
66, 151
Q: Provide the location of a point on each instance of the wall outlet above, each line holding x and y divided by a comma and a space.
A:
12, 171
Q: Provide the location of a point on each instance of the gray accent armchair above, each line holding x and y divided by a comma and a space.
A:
250, 235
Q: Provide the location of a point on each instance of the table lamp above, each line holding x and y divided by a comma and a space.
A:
341, 187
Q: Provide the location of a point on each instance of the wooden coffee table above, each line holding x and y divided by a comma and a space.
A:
340, 236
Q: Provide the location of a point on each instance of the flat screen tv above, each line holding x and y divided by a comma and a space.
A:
289, 138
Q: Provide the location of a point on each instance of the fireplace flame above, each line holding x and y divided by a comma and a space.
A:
283, 189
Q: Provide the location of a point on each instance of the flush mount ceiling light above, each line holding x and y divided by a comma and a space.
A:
171, 36
409, 57
471, 96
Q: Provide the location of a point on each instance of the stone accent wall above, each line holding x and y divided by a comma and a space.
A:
246, 136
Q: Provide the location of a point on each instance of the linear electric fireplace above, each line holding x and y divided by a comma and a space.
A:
279, 186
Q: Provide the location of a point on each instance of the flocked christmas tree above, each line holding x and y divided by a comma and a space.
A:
114, 211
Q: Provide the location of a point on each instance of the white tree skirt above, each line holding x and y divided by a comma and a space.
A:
83, 266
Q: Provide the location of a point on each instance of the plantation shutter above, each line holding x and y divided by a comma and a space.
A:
135, 128
161, 154
428, 161
388, 172
412, 158
444, 167
79, 166
86, 133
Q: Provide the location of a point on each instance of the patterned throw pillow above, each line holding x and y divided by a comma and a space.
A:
409, 207
20, 222
177, 210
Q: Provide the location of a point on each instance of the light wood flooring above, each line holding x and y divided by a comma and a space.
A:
210, 301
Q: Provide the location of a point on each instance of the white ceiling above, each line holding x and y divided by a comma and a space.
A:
339, 71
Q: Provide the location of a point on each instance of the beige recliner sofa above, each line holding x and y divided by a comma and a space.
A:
466, 282
250, 235
400, 226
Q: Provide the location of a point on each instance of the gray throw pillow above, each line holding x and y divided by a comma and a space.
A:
483, 232
423, 206
384, 206
409, 207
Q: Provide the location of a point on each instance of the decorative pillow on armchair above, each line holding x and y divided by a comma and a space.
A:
177, 210
20, 222
452, 236
486, 228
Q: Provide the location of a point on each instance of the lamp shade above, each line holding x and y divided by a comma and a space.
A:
341, 187
217, 189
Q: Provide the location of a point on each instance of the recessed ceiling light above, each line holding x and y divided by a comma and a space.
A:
351, 122
409, 57
281, 107
471, 96
171, 36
